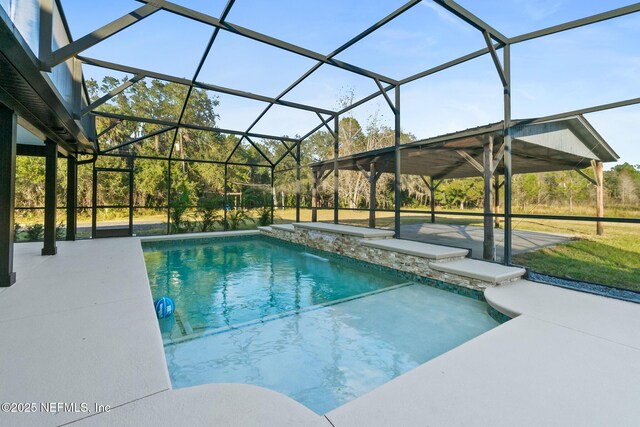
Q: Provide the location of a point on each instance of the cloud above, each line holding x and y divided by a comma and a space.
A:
405, 43
538, 10
282, 120
446, 16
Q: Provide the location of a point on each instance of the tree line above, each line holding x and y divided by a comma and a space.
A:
196, 183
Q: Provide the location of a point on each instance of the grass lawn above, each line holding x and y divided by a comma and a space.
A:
612, 259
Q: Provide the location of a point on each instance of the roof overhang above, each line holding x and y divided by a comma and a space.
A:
564, 144
32, 95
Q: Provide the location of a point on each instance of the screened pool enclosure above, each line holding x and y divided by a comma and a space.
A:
119, 126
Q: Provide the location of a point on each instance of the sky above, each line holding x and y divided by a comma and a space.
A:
570, 70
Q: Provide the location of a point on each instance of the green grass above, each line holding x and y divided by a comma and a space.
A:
612, 259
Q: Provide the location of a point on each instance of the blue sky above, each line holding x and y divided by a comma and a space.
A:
566, 71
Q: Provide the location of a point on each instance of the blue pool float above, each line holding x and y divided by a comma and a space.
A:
164, 307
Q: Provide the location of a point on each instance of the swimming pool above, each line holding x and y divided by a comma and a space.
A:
320, 329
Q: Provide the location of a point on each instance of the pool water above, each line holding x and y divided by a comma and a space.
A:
231, 282
320, 330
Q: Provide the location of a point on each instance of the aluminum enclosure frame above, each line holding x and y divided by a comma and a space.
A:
494, 39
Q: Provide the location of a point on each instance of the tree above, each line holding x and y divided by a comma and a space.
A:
624, 183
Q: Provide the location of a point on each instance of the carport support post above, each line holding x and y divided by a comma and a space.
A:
314, 197
372, 195
398, 169
488, 247
599, 197
51, 171
8, 130
432, 200
72, 197
336, 152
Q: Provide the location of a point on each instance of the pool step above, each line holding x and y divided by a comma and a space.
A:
419, 249
480, 270
283, 227
277, 227
200, 332
379, 247
349, 230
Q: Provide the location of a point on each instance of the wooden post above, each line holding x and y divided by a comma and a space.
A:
314, 197
8, 132
432, 190
599, 197
372, 195
274, 197
51, 171
488, 247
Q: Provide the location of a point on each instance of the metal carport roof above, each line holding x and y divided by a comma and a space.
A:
555, 145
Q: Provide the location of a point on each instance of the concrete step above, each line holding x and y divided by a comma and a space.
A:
419, 249
283, 227
481, 270
349, 230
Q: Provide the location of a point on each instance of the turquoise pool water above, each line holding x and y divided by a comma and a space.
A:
320, 330
231, 282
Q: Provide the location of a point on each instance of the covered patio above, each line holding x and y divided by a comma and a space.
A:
472, 238
569, 143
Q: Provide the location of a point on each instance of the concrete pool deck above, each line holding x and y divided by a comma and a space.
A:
80, 327
568, 359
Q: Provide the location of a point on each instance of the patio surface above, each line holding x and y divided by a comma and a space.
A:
471, 237
567, 359
80, 327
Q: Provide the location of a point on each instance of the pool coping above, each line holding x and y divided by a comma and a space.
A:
349, 230
419, 249
490, 272
191, 236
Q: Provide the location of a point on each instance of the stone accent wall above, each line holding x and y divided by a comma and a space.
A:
350, 246
280, 234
